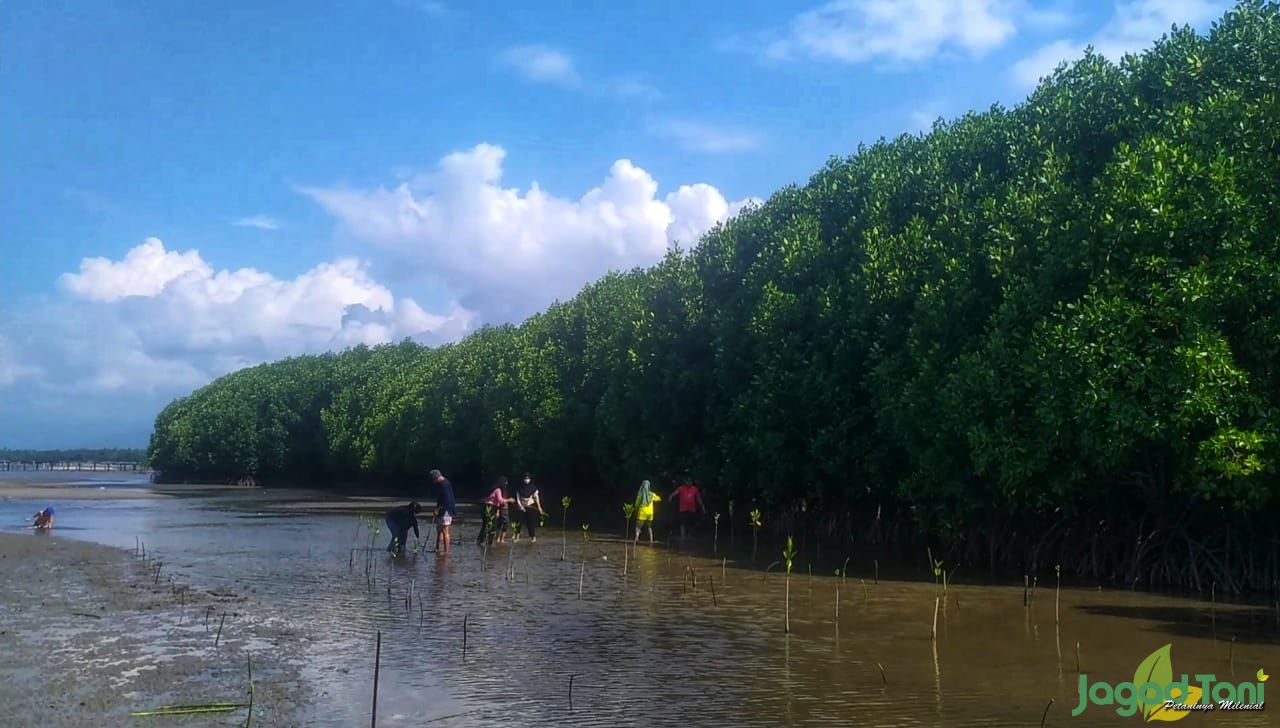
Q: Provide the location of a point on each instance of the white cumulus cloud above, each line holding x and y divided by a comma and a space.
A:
262, 222
171, 317
541, 64
144, 271
896, 31
700, 136
1134, 26
510, 252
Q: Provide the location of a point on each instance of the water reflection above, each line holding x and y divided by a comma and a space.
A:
647, 647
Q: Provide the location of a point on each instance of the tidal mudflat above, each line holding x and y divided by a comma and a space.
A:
651, 636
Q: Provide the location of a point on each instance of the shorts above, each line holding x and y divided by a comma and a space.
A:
687, 518
647, 523
445, 519
503, 524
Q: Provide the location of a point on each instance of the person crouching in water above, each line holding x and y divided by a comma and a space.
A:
497, 517
43, 520
399, 521
645, 500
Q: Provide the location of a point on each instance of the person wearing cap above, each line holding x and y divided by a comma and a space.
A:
645, 500
43, 520
399, 521
446, 509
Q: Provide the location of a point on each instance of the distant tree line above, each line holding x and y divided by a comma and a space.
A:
101, 455
1039, 336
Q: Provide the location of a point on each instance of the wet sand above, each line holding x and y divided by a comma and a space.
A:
88, 635
29, 491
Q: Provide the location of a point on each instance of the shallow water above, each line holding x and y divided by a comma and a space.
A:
651, 649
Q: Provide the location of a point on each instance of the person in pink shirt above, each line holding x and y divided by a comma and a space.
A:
495, 524
688, 503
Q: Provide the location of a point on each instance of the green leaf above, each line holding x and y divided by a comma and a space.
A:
1157, 669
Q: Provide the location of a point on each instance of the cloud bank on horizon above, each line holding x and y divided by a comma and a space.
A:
159, 322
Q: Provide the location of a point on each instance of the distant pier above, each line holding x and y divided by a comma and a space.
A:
90, 467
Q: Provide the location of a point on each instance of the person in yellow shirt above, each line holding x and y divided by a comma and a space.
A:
645, 500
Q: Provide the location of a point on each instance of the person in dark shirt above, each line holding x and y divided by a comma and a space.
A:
530, 504
399, 521
446, 509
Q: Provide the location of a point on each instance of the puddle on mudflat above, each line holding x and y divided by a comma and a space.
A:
649, 648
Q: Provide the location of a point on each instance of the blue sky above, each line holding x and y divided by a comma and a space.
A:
191, 188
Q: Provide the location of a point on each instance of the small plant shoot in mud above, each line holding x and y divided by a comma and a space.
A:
788, 554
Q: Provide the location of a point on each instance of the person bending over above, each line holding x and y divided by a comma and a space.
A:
399, 521
43, 520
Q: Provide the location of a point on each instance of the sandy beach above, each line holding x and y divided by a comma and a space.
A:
88, 634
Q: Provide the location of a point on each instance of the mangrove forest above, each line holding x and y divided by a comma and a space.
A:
1030, 337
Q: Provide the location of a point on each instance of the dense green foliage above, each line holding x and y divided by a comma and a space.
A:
1032, 335
82, 455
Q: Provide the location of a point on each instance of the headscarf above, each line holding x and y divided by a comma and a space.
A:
645, 496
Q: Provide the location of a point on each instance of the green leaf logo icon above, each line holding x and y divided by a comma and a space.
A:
1157, 669
1262, 675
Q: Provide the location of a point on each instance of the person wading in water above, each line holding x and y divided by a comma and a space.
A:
399, 521
645, 500
528, 501
446, 509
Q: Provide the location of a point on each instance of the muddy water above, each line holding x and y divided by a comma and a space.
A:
650, 648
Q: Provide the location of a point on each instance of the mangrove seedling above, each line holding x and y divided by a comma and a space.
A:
839, 578
933, 634
730, 524
377, 668
715, 543
1057, 594
755, 531
628, 510
585, 528
564, 524
788, 554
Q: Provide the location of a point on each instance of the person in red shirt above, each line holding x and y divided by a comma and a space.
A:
688, 502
